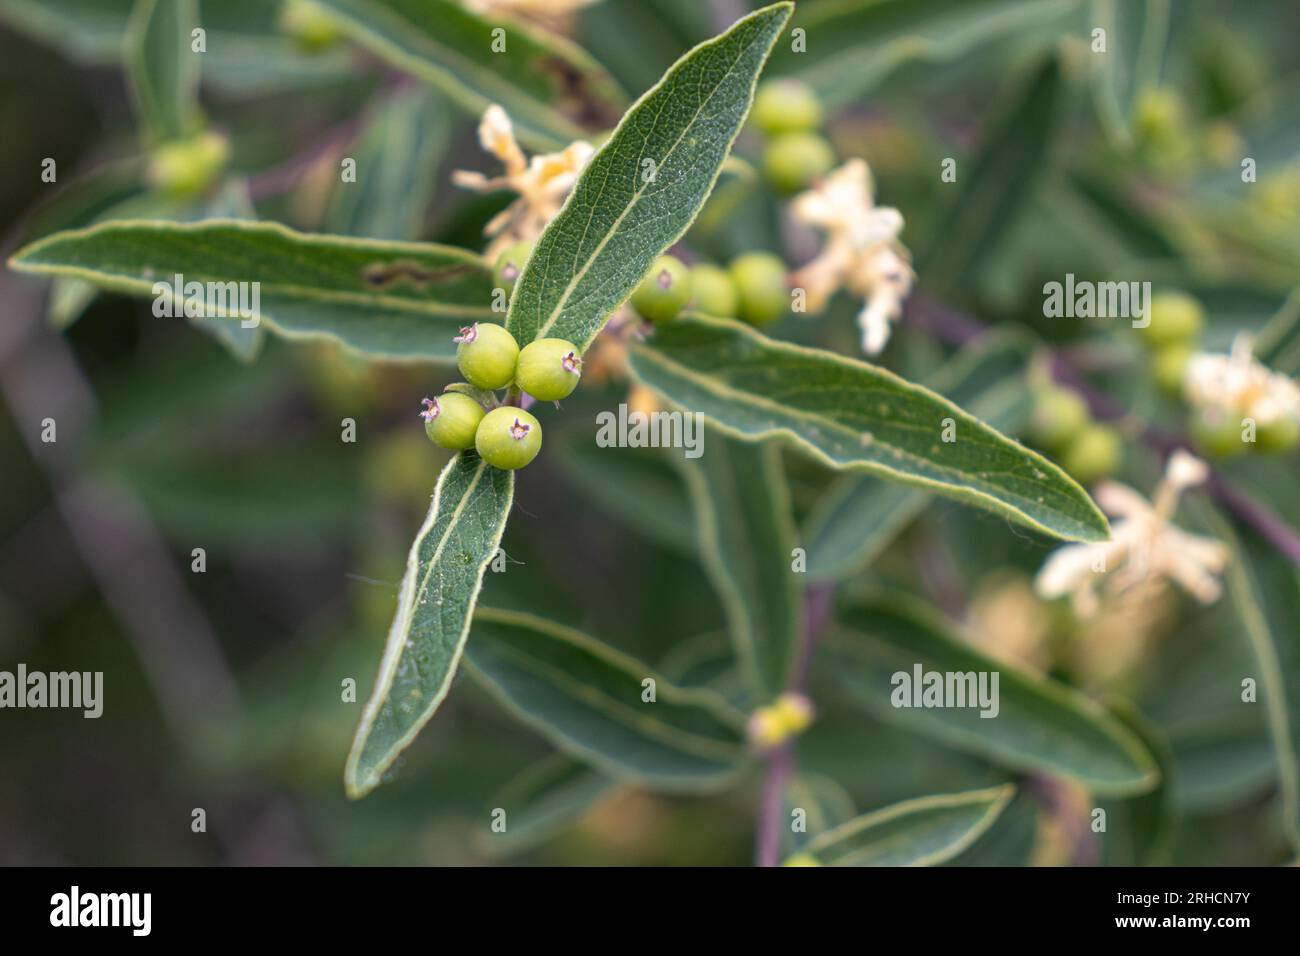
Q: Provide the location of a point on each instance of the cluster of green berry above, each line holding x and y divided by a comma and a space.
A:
505, 436
1062, 425
751, 288
789, 114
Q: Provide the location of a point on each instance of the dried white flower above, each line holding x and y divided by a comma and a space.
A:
542, 183
1238, 385
1145, 547
862, 253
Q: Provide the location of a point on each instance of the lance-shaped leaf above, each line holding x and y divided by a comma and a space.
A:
746, 538
552, 90
849, 414
1136, 34
1278, 345
390, 299
164, 71
545, 798
644, 187
434, 605
860, 515
888, 645
819, 803
852, 47
921, 832
594, 703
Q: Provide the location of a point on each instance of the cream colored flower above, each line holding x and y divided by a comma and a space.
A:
542, 183
1238, 386
1145, 549
862, 253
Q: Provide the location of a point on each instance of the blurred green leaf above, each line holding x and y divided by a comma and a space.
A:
551, 89
642, 190
588, 700
921, 832
89, 31
164, 73
823, 805
1278, 345
390, 299
439, 589
544, 799
746, 540
1136, 34
1040, 724
851, 415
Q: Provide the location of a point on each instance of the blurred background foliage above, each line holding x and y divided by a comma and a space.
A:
1127, 174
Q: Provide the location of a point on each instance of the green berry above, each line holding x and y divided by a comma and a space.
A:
1168, 365
549, 369
185, 168
1218, 435
760, 283
664, 291
1279, 436
792, 161
1176, 318
713, 291
1059, 415
487, 355
508, 438
1093, 454
309, 25
786, 106
510, 263
452, 420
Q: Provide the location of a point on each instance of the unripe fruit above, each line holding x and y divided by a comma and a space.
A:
452, 420
793, 161
549, 369
1278, 436
664, 291
1176, 318
185, 168
487, 355
760, 284
786, 106
510, 263
508, 438
1168, 366
309, 25
1059, 415
1093, 454
713, 292
802, 859
1218, 435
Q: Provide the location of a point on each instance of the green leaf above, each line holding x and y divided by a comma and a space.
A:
644, 187
88, 31
853, 46
1040, 724
551, 89
746, 540
587, 699
390, 299
860, 515
992, 187
443, 575
851, 415
1278, 345
544, 799
1136, 35
920, 832
164, 73
397, 161
824, 804
233, 201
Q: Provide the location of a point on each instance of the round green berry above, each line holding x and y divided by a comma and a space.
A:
1218, 435
510, 263
1279, 436
792, 161
549, 369
664, 291
1176, 318
486, 355
713, 292
1059, 414
451, 420
185, 168
1168, 366
786, 106
760, 283
508, 438
1093, 454
309, 25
